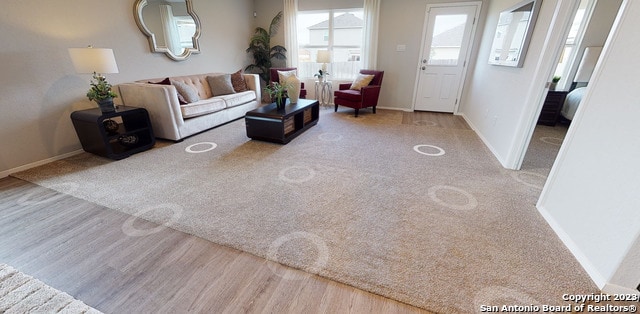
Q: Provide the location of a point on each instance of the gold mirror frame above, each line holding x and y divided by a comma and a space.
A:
153, 44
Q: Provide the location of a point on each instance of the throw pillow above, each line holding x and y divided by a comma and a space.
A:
361, 81
188, 93
283, 75
167, 81
220, 84
238, 82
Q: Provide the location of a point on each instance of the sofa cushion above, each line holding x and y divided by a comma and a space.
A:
220, 84
238, 82
167, 81
361, 81
188, 93
283, 75
238, 99
197, 82
202, 107
349, 94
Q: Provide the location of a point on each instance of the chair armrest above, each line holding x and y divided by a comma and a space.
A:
344, 86
370, 95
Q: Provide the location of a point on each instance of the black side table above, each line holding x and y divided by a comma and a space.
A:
114, 135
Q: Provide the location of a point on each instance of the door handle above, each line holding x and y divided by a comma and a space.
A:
424, 68
424, 60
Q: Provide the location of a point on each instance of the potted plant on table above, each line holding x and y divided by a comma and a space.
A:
554, 82
278, 93
101, 93
321, 74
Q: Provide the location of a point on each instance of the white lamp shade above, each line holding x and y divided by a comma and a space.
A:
587, 64
323, 56
89, 60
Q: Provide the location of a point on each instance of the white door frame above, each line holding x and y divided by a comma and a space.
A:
553, 45
463, 76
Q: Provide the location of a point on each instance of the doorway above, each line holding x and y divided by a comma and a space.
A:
446, 45
597, 19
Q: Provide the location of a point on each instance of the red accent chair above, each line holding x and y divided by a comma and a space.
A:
273, 73
363, 98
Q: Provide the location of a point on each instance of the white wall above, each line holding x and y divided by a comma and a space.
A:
592, 196
496, 98
40, 88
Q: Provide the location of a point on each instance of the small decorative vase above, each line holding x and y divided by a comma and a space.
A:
281, 102
106, 105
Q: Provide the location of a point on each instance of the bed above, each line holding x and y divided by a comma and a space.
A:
571, 103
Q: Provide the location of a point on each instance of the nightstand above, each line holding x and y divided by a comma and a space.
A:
114, 135
551, 108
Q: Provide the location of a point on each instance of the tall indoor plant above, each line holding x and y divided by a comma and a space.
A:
261, 50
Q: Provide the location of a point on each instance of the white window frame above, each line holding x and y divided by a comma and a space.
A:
330, 44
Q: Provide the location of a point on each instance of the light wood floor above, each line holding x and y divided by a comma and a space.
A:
80, 248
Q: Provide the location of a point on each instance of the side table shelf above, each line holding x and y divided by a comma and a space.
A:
114, 135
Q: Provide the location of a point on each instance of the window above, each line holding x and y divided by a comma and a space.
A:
569, 53
447, 39
340, 32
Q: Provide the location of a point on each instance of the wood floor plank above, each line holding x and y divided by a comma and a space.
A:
80, 248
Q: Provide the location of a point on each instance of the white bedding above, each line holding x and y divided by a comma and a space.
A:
572, 102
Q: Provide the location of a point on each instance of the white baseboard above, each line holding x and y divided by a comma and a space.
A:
6, 173
483, 139
394, 108
591, 270
615, 289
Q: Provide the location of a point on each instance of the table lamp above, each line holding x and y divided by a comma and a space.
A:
90, 60
324, 57
96, 61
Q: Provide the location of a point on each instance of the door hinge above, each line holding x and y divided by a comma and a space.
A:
464, 64
474, 21
456, 101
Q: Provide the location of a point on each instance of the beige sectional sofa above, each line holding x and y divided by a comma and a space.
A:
174, 116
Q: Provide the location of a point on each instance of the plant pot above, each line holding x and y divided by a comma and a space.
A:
280, 103
106, 105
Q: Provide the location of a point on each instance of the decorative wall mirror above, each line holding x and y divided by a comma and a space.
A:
172, 27
513, 34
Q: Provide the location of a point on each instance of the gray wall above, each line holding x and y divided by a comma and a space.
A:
40, 88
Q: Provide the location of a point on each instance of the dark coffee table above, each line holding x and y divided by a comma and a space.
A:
281, 126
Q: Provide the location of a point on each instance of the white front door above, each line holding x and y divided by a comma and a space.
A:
445, 49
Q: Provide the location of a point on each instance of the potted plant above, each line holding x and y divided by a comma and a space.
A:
554, 82
321, 74
278, 93
101, 93
260, 48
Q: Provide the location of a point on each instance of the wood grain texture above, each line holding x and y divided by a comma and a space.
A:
80, 248
435, 119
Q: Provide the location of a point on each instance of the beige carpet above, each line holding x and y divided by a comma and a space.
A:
20, 293
420, 212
